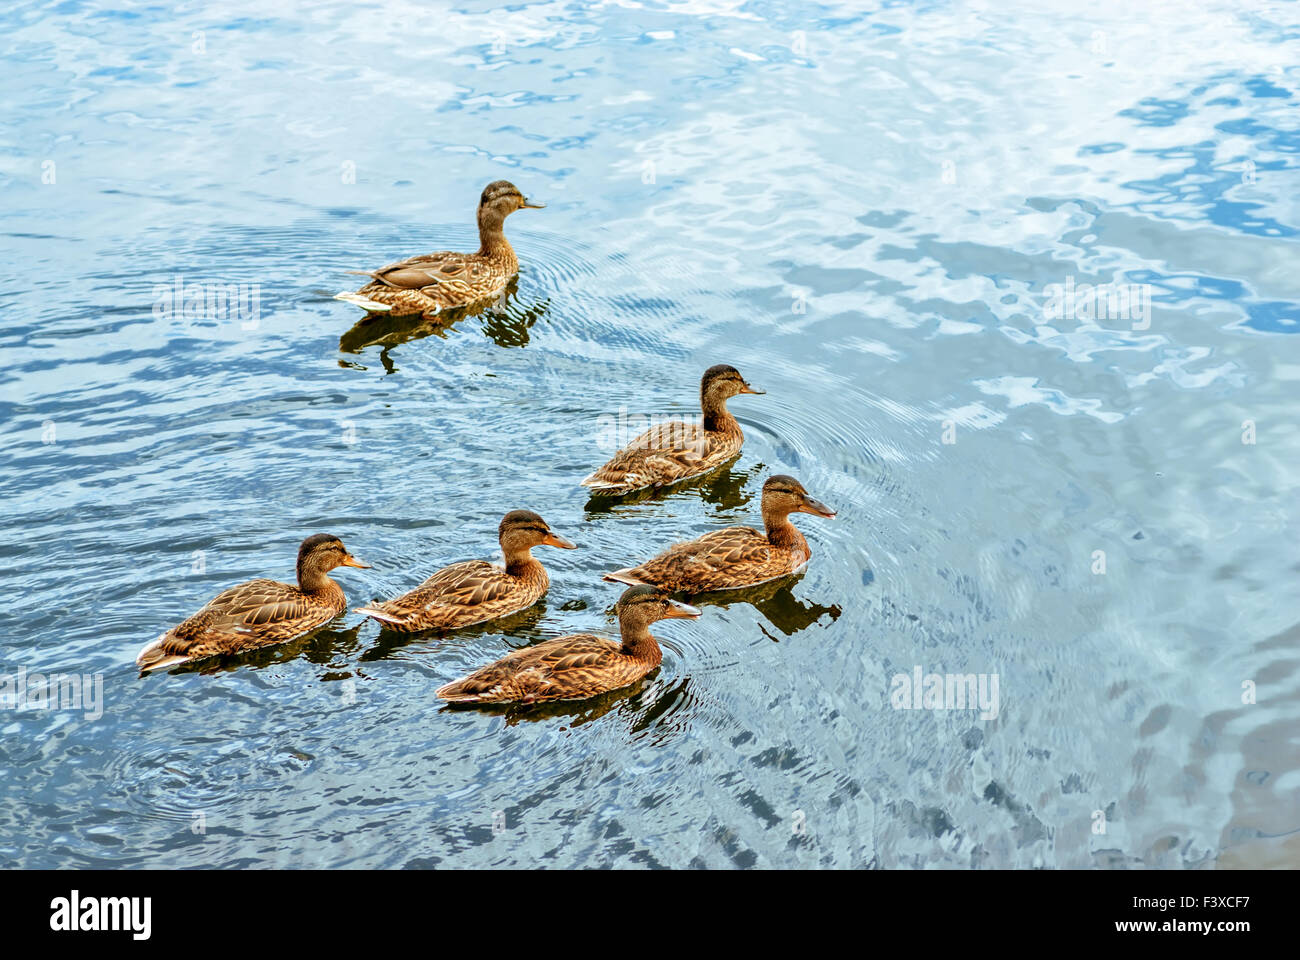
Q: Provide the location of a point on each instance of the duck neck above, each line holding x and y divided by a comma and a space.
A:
717, 418
313, 578
492, 236
639, 643
781, 532
520, 562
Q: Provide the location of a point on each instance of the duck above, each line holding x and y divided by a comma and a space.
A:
259, 613
675, 451
577, 666
476, 591
433, 282
736, 557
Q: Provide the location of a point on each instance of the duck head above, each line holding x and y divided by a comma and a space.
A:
784, 495
641, 606
521, 530
318, 555
502, 198
720, 382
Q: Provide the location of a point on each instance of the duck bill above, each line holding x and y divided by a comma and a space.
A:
555, 540
527, 204
351, 561
751, 389
816, 508
681, 611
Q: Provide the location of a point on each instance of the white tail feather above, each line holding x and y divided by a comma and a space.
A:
150, 657
624, 576
378, 614
165, 662
365, 303
590, 480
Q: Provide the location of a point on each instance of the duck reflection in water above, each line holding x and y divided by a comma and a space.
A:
777, 603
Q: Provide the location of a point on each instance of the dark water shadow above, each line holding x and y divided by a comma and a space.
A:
776, 602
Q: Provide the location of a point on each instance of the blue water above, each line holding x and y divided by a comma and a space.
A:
868, 210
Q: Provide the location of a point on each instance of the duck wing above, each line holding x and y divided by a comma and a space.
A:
257, 603
458, 595
246, 615
415, 273
429, 284
565, 668
719, 559
661, 455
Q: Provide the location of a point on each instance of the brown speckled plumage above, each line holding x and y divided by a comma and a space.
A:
259, 613
476, 591
433, 282
736, 557
670, 452
578, 666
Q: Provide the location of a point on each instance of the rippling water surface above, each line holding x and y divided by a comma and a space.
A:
867, 210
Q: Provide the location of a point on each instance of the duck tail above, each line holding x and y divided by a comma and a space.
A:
455, 692
627, 576
602, 485
365, 303
156, 656
378, 614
